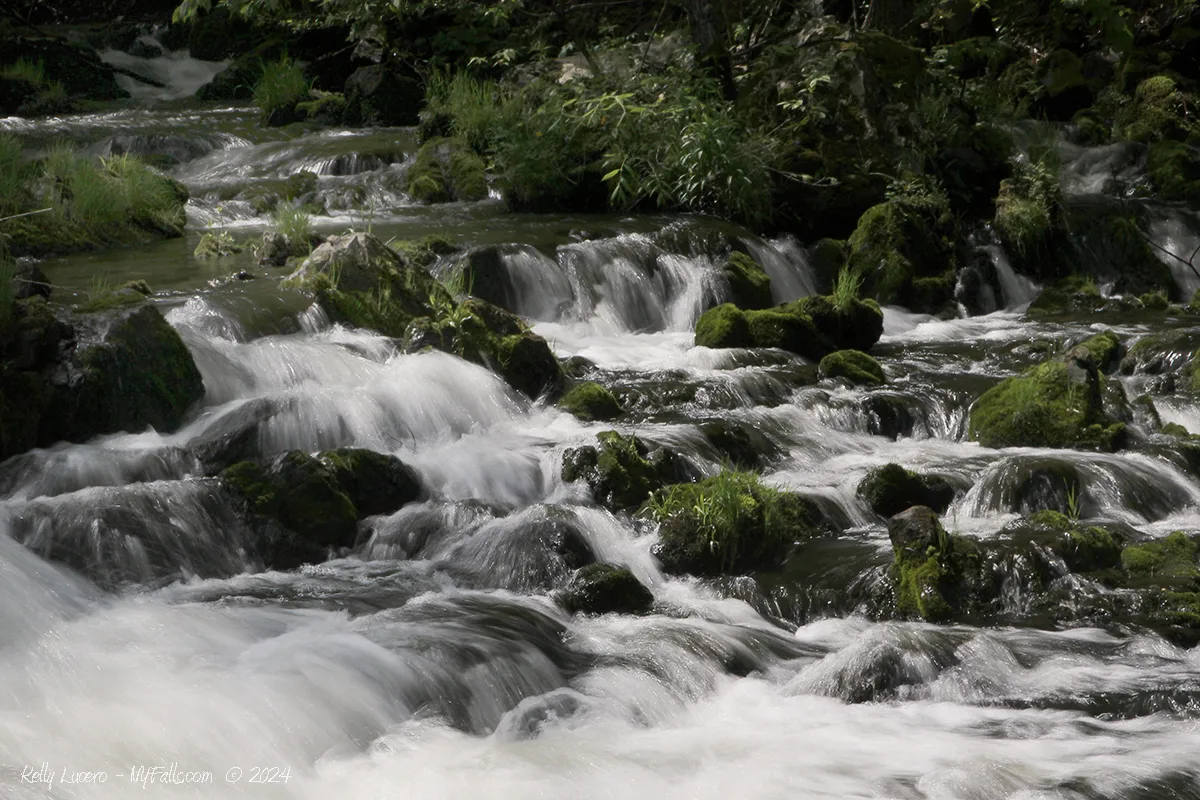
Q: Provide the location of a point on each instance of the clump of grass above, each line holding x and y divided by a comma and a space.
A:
151, 200
472, 109
281, 86
31, 72
13, 171
83, 191
295, 224
847, 288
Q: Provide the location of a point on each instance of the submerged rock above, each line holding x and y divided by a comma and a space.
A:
890, 489
605, 589
729, 524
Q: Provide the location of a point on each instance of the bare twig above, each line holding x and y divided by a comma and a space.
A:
26, 214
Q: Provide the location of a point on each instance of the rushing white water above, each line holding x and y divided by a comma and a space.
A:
431, 661
178, 74
1018, 290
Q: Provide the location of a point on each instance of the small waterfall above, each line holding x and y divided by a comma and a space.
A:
1176, 236
785, 261
179, 73
1018, 291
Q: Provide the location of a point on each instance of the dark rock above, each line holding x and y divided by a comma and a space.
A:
890, 489
378, 95
622, 471
605, 589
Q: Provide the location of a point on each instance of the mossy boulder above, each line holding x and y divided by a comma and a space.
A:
447, 170
622, 471
723, 327
1064, 89
749, 284
605, 589
1167, 359
1103, 349
528, 364
589, 401
1174, 171
1169, 562
850, 325
730, 523
303, 506
936, 576
1159, 112
1061, 404
1071, 295
896, 243
854, 366
890, 489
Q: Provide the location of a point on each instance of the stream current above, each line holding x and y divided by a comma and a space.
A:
430, 662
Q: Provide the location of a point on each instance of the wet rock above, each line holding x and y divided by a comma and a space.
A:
742, 446
605, 589
29, 281
1062, 403
723, 327
1104, 350
936, 575
730, 524
853, 325
273, 250
749, 284
303, 506
890, 489
234, 436
590, 402
896, 243
811, 327
854, 366
622, 471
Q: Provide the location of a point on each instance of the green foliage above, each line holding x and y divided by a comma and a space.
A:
1028, 206
1164, 560
281, 86
31, 72
723, 326
217, 244
13, 172
846, 288
475, 110
621, 471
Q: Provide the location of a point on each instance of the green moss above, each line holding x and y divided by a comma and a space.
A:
528, 364
590, 401
1170, 560
376, 483
446, 169
1054, 520
1154, 301
748, 282
853, 365
854, 325
893, 244
621, 471
1158, 112
220, 244
936, 576
787, 329
729, 523
1174, 171
890, 489
424, 252
1044, 408
605, 589
1105, 350
1024, 218
1091, 549
723, 326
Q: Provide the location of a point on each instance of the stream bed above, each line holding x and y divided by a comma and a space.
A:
430, 661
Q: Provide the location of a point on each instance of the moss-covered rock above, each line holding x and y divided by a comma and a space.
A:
217, 245
1103, 349
786, 328
447, 170
894, 244
304, 506
854, 366
936, 576
1158, 112
622, 471
1174, 170
1170, 561
1073, 294
851, 325
605, 589
890, 489
729, 524
723, 327
589, 401
1058, 404
749, 284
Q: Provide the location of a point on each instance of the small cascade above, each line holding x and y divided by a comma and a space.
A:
176, 73
1018, 291
1175, 234
785, 261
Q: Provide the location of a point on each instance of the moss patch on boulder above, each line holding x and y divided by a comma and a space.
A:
749, 284
854, 366
589, 401
723, 327
1056, 404
897, 242
729, 524
447, 170
622, 471
936, 575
